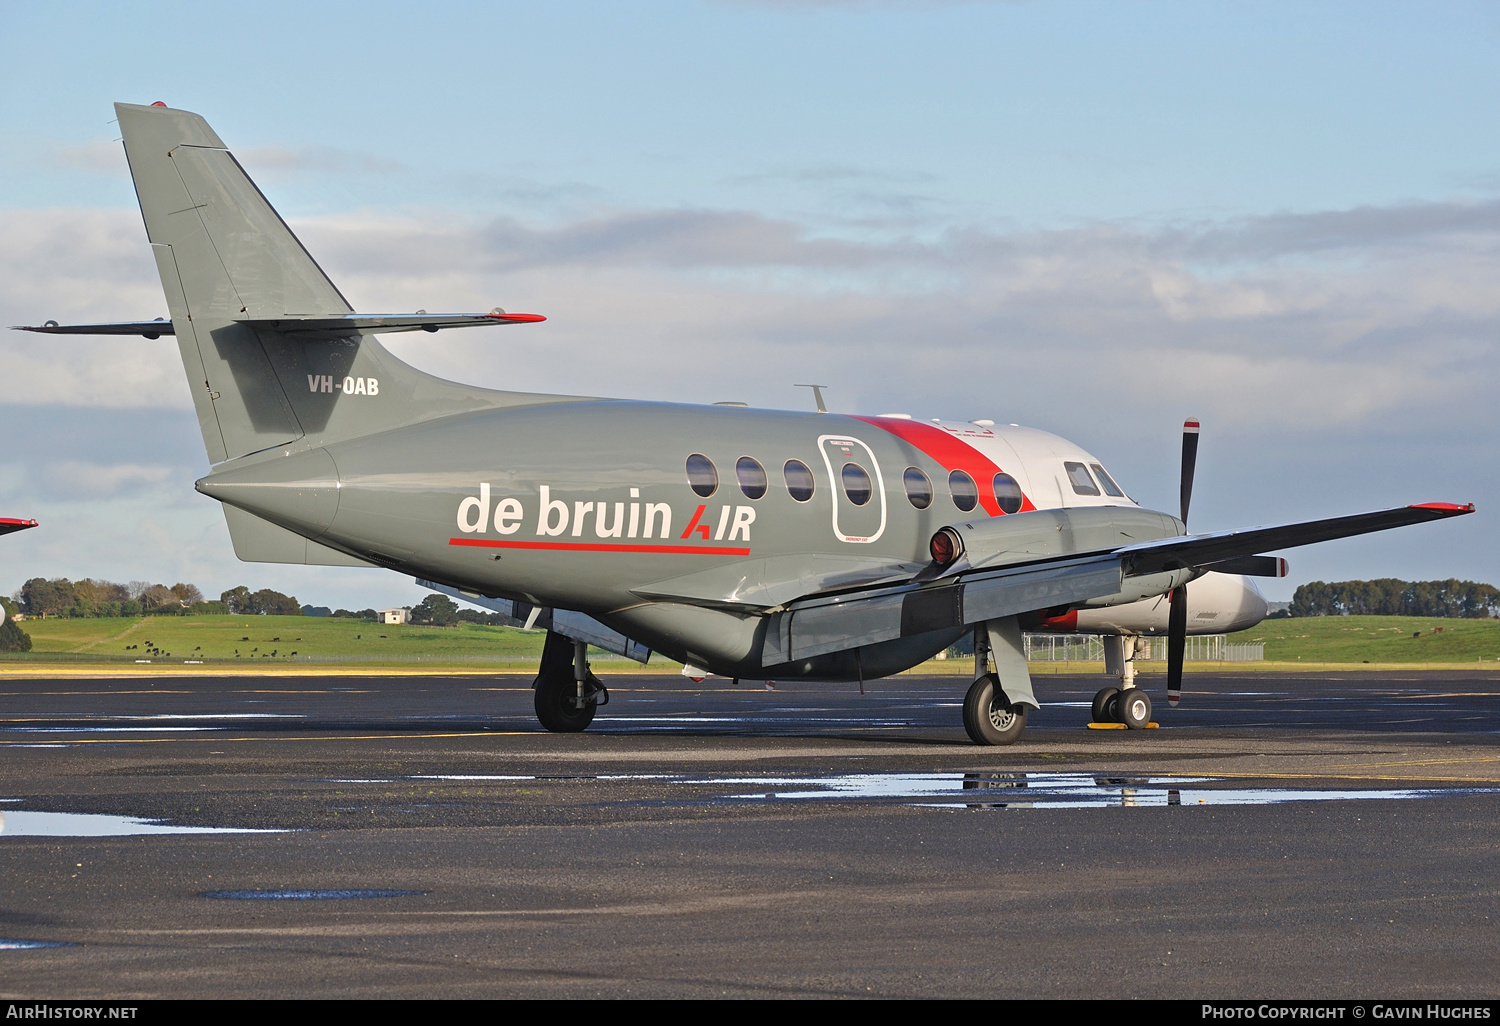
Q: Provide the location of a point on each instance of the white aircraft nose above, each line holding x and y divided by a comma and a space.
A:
1251, 607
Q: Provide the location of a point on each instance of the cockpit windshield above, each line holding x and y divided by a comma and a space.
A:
1110, 488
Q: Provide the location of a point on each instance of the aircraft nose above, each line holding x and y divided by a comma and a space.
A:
1252, 607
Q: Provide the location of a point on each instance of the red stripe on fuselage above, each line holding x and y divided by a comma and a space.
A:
953, 453
675, 550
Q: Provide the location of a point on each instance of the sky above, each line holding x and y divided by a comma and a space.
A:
1093, 218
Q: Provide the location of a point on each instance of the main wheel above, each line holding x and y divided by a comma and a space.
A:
987, 718
557, 706
1134, 708
1102, 712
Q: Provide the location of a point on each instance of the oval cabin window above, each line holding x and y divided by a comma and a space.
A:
702, 474
965, 493
856, 484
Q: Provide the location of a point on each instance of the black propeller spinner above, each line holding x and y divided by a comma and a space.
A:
1177, 612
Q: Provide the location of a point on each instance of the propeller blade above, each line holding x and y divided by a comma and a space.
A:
1189, 462
1176, 643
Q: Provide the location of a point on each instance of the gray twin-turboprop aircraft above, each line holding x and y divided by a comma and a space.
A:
742, 542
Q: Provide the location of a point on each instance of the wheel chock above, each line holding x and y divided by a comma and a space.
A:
1153, 725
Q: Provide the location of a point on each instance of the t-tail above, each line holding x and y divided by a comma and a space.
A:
274, 354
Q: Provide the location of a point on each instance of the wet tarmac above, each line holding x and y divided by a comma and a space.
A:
1280, 836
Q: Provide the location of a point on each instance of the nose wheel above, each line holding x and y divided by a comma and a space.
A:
1131, 707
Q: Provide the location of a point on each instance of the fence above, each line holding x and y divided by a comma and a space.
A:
1089, 648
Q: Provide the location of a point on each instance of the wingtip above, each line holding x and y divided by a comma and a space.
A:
1445, 507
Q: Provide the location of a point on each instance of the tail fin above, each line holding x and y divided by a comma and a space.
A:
223, 254
227, 259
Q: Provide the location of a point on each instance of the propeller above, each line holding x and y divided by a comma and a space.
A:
1177, 612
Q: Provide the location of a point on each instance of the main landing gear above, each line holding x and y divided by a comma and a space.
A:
996, 715
567, 693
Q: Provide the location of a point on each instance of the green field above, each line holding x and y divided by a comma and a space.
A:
1376, 639
275, 639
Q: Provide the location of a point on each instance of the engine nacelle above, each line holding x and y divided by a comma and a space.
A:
1037, 534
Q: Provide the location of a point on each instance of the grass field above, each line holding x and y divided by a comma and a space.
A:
276, 639
310, 642
1377, 639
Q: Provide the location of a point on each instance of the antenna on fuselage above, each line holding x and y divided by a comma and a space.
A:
817, 395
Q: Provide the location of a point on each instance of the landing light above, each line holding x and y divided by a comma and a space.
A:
946, 546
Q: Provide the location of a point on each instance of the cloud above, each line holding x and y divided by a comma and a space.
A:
82, 479
1340, 359
1332, 318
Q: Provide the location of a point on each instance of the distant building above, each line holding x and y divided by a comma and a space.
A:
393, 615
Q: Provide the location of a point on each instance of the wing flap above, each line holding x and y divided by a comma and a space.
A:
818, 626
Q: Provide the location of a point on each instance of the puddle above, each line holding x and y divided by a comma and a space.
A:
17, 944
20, 823
977, 789
1046, 790
289, 895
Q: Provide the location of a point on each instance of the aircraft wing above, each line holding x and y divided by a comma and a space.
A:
324, 327
1201, 549
9, 525
820, 624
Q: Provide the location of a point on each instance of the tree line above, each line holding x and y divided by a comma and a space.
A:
42, 597
1390, 597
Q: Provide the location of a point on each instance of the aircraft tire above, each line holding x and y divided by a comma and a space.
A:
1134, 708
991, 722
555, 708
1102, 713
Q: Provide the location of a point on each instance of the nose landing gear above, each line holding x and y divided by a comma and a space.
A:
1132, 707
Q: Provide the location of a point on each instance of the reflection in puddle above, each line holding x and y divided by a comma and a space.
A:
17, 944
974, 789
1048, 790
333, 895
20, 823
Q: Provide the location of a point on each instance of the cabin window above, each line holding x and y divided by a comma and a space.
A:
1078, 474
1008, 494
752, 477
702, 474
856, 484
1110, 488
799, 480
918, 488
965, 493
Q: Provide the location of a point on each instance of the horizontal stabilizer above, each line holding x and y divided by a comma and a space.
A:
345, 325
1204, 549
151, 329
323, 327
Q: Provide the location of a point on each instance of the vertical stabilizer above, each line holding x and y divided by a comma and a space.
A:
231, 268
224, 255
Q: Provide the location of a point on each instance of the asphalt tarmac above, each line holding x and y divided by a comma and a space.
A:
1288, 836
